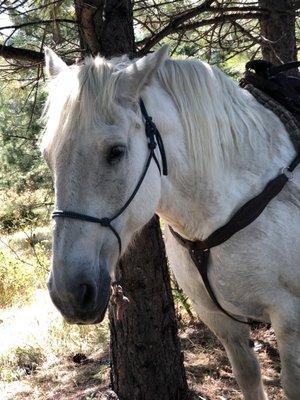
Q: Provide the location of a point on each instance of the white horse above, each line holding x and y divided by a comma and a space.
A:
222, 147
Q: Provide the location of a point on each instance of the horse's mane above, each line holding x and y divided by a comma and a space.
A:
216, 115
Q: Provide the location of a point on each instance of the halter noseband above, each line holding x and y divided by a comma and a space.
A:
154, 140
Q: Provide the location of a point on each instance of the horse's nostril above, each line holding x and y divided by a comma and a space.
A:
87, 295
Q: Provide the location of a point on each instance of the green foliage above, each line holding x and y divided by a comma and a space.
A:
53, 34
20, 275
21, 164
24, 210
182, 302
60, 341
22, 97
19, 362
64, 337
25, 246
15, 278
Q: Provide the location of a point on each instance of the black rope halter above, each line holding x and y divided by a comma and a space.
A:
154, 140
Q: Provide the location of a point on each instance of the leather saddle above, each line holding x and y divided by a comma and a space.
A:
275, 82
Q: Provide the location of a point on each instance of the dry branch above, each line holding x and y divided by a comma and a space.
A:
38, 22
16, 53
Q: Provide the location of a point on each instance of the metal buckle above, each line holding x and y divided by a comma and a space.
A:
289, 174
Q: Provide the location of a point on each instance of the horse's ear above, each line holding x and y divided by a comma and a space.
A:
53, 64
138, 74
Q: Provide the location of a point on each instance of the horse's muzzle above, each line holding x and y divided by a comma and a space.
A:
84, 302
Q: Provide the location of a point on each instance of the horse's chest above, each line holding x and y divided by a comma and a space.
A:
186, 273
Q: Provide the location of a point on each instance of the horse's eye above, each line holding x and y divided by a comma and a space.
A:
116, 153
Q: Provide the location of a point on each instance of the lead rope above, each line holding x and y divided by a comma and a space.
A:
118, 301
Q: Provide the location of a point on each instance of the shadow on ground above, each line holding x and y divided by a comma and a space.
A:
82, 377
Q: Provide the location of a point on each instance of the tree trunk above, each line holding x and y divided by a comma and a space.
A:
278, 31
116, 36
147, 362
106, 27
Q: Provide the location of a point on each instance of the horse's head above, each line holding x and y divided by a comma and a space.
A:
96, 148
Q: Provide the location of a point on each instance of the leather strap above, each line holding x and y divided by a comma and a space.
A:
199, 250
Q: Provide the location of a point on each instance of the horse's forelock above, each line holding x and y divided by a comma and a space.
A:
82, 96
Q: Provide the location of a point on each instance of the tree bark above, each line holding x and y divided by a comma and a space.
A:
116, 34
278, 31
106, 27
147, 362
19, 54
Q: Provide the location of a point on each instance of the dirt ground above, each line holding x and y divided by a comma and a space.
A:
209, 372
81, 377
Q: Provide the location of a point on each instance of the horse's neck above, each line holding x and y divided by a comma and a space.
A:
196, 203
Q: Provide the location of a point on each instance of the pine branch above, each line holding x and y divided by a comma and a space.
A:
38, 22
180, 24
174, 24
217, 20
21, 54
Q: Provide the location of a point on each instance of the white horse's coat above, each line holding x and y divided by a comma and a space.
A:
222, 148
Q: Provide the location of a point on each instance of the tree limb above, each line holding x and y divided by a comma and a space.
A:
20, 54
177, 25
85, 13
38, 22
174, 23
217, 20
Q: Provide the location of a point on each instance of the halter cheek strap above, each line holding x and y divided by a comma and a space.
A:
154, 140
